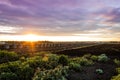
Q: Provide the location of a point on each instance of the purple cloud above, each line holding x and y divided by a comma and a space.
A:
59, 17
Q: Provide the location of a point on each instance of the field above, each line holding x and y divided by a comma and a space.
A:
112, 50
89, 62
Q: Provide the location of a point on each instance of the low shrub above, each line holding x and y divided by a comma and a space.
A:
99, 71
117, 62
63, 60
118, 70
59, 73
85, 62
8, 76
6, 56
116, 77
87, 56
75, 66
10, 67
103, 58
94, 57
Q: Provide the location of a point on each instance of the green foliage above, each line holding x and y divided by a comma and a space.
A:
116, 61
35, 62
8, 76
87, 56
82, 61
85, 62
26, 73
22, 59
75, 66
63, 60
52, 61
103, 58
116, 77
42, 54
6, 56
118, 70
10, 67
99, 71
94, 57
59, 73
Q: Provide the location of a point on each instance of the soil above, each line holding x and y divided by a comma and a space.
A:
89, 72
112, 50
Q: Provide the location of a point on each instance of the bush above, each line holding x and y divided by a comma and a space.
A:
103, 58
94, 57
22, 59
10, 67
8, 76
118, 70
116, 77
59, 73
87, 56
85, 62
99, 71
116, 61
75, 66
63, 60
6, 56
26, 73
53, 61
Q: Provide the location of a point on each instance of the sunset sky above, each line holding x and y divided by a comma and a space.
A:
60, 20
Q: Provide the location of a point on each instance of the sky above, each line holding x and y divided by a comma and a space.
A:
60, 20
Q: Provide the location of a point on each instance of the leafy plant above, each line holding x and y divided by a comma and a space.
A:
59, 73
6, 56
103, 58
8, 76
116, 77
116, 61
94, 57
85, 62
99, 71
75, 66
63, 60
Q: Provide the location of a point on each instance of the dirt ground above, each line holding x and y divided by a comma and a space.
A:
89, 72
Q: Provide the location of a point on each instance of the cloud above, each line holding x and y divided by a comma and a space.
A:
60, 17
9, 30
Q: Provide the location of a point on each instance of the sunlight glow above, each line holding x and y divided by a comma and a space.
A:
31, 37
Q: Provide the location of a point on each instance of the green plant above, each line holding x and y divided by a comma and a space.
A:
85, 62
6, 56
59, 73
116, 61
118, 70
87, 56
94, 57
8, 76
22, 59
103, 58
10, 67
99, 71
116, 77
26, 73
75, 66
63, 60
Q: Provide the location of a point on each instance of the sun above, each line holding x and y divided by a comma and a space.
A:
31, 37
